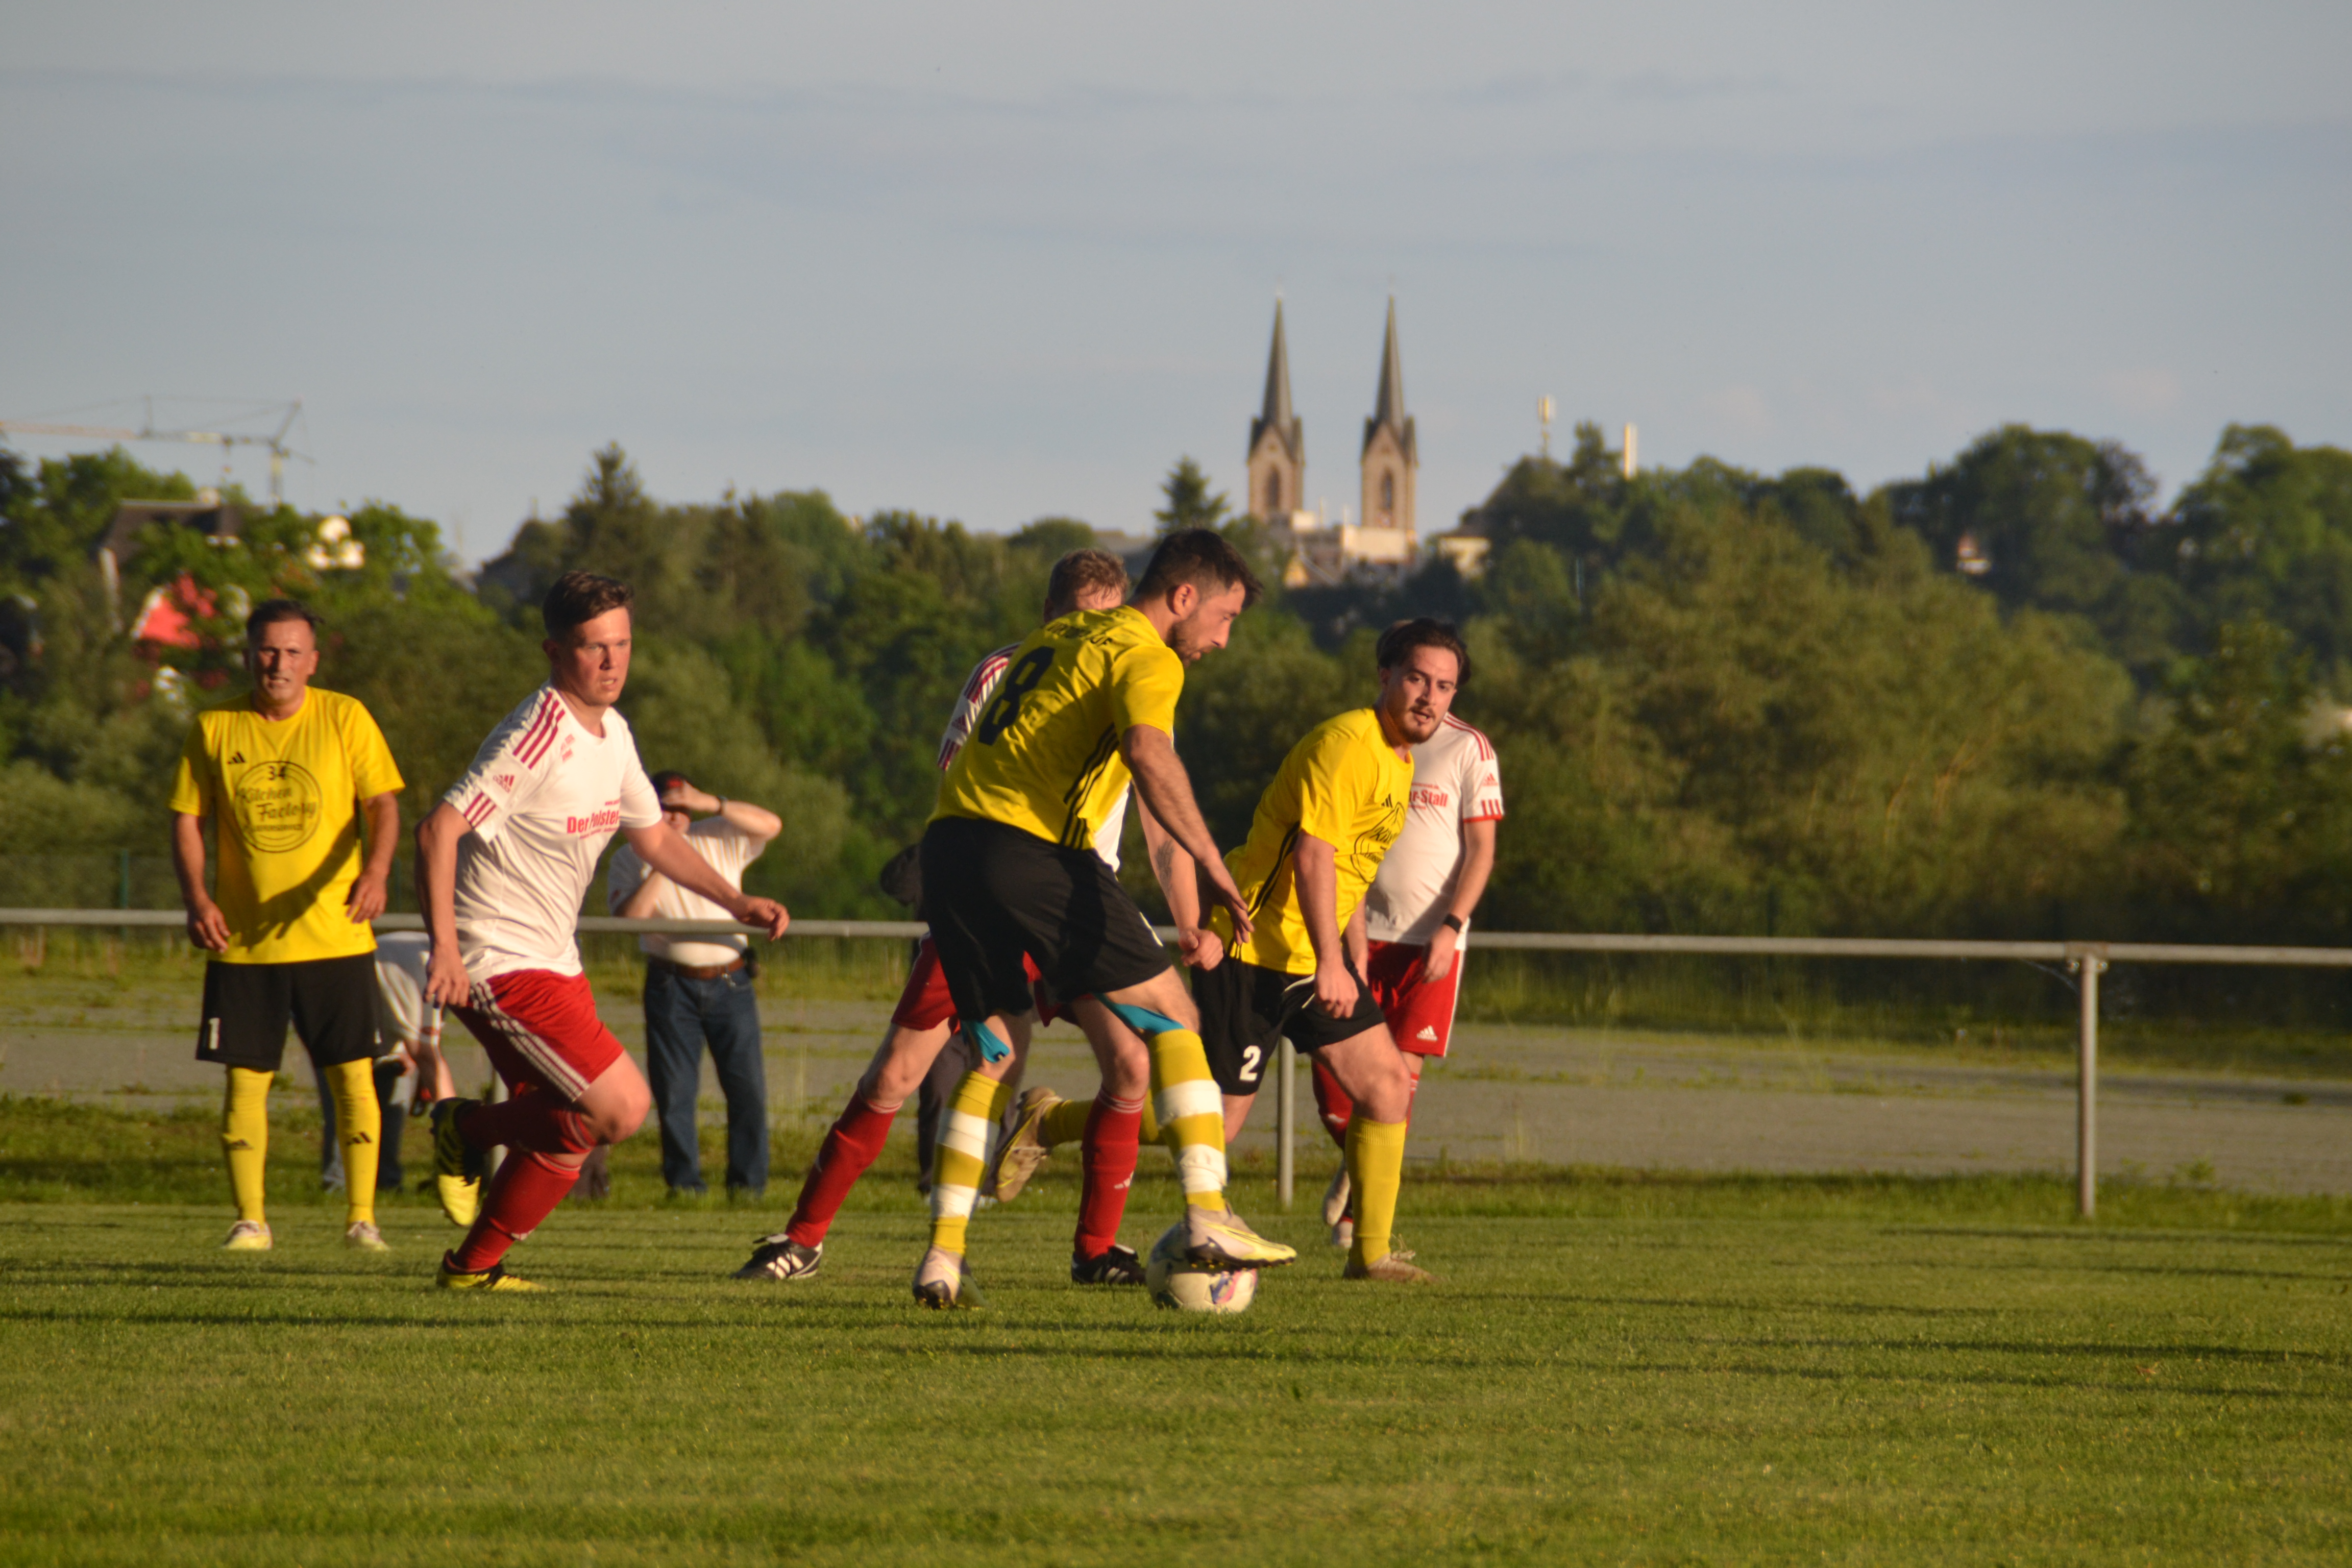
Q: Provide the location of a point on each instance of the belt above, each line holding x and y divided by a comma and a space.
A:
696, 970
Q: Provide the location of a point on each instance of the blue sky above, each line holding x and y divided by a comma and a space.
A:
997, 263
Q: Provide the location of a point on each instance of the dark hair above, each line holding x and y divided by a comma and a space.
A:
1198, 556
1424, 632
1080, 571
666, 777
579, 597
269, 611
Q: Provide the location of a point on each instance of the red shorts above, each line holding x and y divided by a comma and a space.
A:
925, 1004
1420, 1011
542, 1028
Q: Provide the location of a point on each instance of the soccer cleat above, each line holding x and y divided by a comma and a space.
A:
247, 1236
1220, 1238
1023, 1152
1344, 1233
943, 1280
494, 1278
458, 1166
779, 1257
1390, 1268
1118, 1266
1336, 1197
363, 1236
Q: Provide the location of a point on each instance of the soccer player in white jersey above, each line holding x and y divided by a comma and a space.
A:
1418, 910
925, 1019
501, 866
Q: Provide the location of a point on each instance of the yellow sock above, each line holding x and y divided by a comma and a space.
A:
1376, 1166
1189, 1106
966, 1131
245, 1138
1065, 1123
358, 1120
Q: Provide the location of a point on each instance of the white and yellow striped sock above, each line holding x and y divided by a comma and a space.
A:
1185, 1097
968, 1133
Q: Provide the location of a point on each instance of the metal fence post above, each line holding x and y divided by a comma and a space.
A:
1285, 1124
2086, 1091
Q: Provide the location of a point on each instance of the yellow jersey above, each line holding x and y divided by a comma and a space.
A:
284, 795
1043, 756
1345, 784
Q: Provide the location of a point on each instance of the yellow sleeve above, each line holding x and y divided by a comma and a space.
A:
373, 773
1338, 777
192, 781
1144, 688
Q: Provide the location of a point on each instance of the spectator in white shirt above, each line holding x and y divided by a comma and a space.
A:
700, 990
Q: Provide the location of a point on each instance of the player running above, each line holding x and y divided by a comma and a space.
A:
501, 866
1419, 910
1321, 830
1088, 704
1082, 580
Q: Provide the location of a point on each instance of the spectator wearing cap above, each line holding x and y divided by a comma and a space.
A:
700, 989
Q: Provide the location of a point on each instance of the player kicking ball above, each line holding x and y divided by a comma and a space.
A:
1083, 581
502, 864
1321, 830
1417, 913
1088, 704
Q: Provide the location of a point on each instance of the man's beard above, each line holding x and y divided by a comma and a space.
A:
1417, 726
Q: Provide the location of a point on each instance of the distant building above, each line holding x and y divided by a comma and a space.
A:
1385, 544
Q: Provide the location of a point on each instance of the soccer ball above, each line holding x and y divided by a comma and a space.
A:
1176, 1281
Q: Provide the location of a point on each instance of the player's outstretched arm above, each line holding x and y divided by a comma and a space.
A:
668, 853
437, 889
371, 890
207, 926
1316, 869
1167, 792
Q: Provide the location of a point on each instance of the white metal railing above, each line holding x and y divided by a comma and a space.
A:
2087, 960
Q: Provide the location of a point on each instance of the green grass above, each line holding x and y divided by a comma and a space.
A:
1615, 1368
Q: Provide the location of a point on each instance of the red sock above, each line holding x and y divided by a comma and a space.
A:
856, 1139
1333, 1102
537, 1120
1109, 1151
525, 1190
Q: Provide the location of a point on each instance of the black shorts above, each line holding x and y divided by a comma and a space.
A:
330, 1002
1246, 1010
992, 893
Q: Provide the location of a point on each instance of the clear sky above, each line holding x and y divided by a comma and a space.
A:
1006, 261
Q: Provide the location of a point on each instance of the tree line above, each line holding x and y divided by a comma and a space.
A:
2010, 697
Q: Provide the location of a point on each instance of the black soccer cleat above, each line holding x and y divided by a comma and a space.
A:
1118, 1266
779, 1258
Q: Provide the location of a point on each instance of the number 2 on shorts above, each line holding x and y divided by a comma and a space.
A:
1251, 1057
1018, 681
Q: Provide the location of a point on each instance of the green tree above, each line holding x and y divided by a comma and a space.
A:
1189, 502
2266, 531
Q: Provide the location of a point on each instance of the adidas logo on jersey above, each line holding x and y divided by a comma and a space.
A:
504, 781
1428, 1032
235, 758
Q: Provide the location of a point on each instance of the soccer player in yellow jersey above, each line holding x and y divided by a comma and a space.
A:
305, 802
1087, 702
1321, 828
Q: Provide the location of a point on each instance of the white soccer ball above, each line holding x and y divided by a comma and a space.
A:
1177, 1283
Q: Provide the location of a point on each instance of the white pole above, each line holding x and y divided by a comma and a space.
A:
1632, 451
1286, 1125
2086, 1092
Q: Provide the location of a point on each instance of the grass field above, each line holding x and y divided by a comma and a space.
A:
1615, 1368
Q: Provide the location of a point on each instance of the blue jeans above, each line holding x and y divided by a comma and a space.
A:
681, 1014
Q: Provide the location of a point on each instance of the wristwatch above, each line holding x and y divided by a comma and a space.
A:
1453, 923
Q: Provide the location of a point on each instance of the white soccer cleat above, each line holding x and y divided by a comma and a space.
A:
247, 1235
1343, 1234
363, 1236
1220, 1238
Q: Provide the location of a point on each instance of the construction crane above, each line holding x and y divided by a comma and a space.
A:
292, 414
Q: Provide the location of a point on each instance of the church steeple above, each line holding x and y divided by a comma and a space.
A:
1391, 454
1277, 449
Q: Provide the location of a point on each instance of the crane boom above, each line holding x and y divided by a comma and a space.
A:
224, 439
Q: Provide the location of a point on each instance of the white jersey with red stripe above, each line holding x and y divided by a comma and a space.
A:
1454, 779
543, 798
977, 688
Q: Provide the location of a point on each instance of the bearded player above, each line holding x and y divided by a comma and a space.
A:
925, 1019
1321, 831
502, 864
1418, 911
1086, 706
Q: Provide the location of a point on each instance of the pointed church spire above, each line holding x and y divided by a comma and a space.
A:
1387, 404
1276, 415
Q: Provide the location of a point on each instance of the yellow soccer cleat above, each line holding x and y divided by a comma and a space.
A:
1220, 1238
458, 1166
461, 1199
363, 1236
1023, 1151
494, 1278
247, 1235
